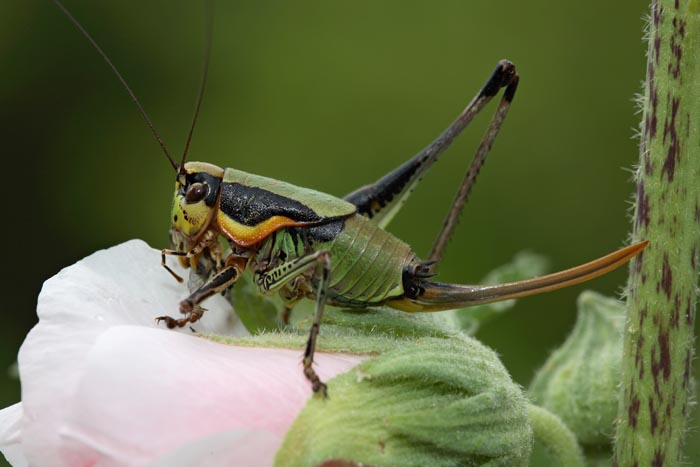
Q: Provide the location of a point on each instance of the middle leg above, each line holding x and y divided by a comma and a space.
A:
277, 277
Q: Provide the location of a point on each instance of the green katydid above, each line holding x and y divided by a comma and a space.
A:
302, 243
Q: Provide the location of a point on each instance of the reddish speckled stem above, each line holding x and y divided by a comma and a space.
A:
658, 348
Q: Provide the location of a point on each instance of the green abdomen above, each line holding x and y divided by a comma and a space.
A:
367, 264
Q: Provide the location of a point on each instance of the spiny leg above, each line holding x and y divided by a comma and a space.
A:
167, 252
381, 200
204, 263
450, 221
190, 306
281, 275
316, 384
209, 240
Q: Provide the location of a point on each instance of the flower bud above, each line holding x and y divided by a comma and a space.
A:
579, 382
430, 402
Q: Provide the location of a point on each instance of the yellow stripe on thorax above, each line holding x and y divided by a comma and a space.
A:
245, 235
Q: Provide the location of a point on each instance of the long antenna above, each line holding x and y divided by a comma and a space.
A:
205, 71
123, 81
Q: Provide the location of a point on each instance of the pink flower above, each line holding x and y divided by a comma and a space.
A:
103, 385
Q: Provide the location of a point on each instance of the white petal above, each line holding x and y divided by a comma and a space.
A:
103, 385
10, 435
187, 388
122, 285
249, 448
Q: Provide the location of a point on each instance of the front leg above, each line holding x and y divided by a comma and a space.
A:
190, 258
220, 282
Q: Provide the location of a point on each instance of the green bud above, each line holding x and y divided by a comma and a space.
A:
431, 402
579, 382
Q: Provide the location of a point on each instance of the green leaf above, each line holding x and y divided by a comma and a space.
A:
432, 402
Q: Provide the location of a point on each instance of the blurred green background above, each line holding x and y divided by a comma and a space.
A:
328, 95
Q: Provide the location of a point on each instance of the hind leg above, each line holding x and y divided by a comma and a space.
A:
470, 178
381, 200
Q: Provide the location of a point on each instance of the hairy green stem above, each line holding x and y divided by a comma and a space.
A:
658, 342
556, 437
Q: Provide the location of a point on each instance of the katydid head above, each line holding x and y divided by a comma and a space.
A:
194, 203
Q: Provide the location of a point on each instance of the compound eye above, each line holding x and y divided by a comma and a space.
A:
196, 192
